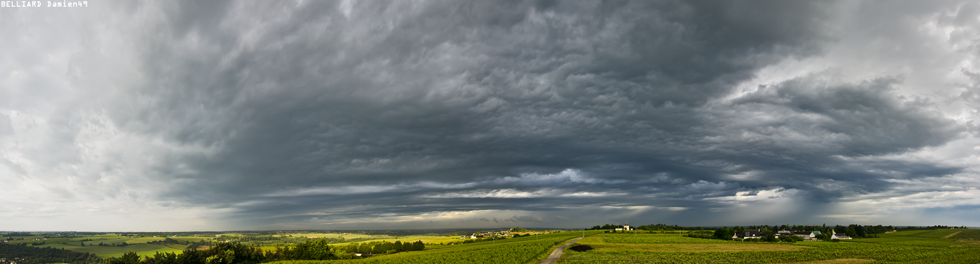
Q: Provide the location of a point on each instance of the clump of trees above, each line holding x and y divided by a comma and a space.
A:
724, 233
165, 241
222, 253
604, 227
384, 247
518, 229
123, 244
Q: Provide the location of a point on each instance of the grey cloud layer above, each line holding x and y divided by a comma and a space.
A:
383, 109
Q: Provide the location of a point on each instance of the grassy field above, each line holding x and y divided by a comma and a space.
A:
515, 250
140, 244
659, 243
424, 239
335, 235
837, 261
927, 246
431, 241
900, 247
106, 239
109, 251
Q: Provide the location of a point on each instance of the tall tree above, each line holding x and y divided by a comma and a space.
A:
851, 232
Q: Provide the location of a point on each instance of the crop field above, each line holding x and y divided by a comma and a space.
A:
109, 251
901, 247
514, 250
968, 235
333, 235
138, 244
144, 246
925, 246
661, 243
424, 239
270, 241
105, 239
640, 238
837, 261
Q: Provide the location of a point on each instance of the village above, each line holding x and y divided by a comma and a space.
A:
489, 234
11, 261
759, 234
805, 235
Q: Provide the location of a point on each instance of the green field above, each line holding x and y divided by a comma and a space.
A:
334, 235
143, 246
424, 239
928, 246
136, 244
109, 251
513, 250
107, 239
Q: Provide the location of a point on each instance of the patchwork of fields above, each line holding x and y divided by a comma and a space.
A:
106, 252
928, 246
138, 244
529, 249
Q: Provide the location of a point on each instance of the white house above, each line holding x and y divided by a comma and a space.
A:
812, 235
835, 235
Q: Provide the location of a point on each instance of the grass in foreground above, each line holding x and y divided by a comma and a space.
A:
838, 261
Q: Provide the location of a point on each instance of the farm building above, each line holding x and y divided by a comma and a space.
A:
625, 227
835, 235
812, 235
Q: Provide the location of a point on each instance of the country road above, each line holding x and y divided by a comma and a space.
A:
555, 255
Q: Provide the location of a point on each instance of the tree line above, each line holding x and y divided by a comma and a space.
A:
603, 227
904, 228
38, 255
381, 247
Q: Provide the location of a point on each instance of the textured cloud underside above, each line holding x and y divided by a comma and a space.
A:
230, 115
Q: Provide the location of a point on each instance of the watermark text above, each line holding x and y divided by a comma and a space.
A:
62, 3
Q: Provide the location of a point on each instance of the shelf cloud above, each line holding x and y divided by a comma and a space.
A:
189, 115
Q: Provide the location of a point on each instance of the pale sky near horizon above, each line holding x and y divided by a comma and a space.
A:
220, 115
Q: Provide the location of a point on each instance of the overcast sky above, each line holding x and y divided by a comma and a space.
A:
209, 115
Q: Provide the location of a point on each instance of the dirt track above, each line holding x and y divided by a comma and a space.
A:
951, 235
555, 255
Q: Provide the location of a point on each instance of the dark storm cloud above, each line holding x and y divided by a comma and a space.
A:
872, 120
393, 108
804, 130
